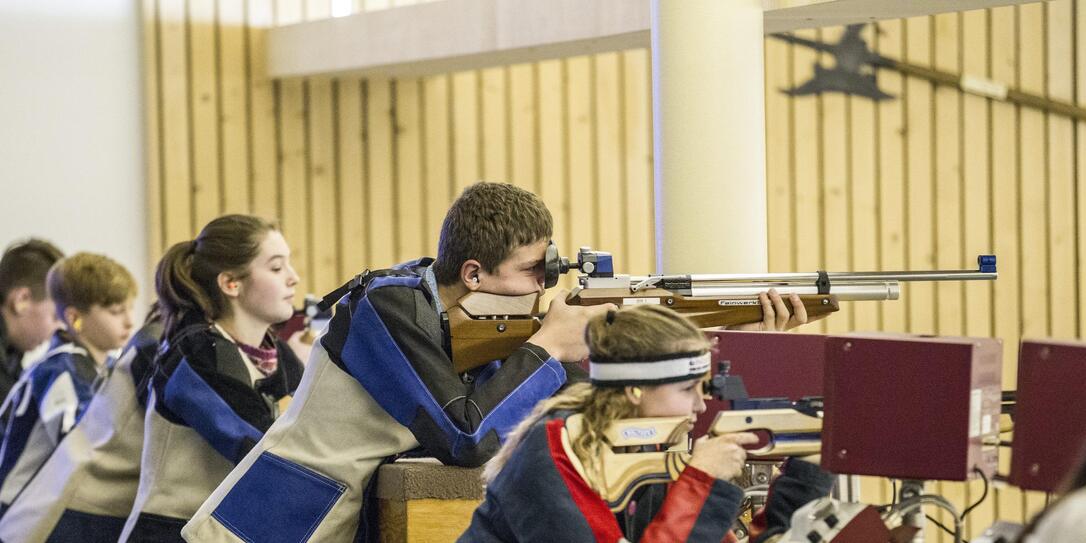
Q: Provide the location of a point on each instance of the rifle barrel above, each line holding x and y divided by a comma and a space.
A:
811, 277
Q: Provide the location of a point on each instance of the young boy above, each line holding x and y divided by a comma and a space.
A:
380, 382
27, 314
85, 490
93, 296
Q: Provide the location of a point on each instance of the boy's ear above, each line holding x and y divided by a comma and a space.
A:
18, 299
71, 317
469, 274
633, 395
229, 285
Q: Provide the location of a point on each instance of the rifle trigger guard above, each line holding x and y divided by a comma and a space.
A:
823, 282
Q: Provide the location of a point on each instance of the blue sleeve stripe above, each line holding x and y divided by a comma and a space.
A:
375, 360
191, 398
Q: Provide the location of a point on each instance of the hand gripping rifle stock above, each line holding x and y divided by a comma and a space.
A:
486, 327
645, 451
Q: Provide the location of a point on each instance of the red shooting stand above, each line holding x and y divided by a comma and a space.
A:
911, 407
1050, 413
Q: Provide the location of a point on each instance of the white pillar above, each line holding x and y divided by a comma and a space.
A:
708, 107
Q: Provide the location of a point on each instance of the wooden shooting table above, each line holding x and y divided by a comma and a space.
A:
422, 500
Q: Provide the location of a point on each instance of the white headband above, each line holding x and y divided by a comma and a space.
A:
676, 367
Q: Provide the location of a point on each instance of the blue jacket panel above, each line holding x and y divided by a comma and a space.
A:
24, 403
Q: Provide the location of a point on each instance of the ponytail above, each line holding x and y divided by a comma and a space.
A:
178, 292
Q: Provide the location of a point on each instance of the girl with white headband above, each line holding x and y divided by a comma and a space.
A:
645, 361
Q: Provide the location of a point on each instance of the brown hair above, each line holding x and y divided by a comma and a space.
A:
25, 264
187, 276
87, 279
639, 331
643, 331
487, 223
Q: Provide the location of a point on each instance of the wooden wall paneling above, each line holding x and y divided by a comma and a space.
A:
233, 107
351, 203
293, 207
263, 126
976, 173
1034, 189
321, 174
863, 196
380, 213
409, 190
1060, 72
949, 307
976, 215
523, 127
779, 164
807, 167
324, 254
920, 234
1005, 216
1005, 220
204, 100
465, 129
176, 130
580, 153
1033, 179
835, 186
890, 116
152, 99
553, 164
610, 197
637, 135
437, 140
494, 110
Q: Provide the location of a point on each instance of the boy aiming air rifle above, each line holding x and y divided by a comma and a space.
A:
484, 327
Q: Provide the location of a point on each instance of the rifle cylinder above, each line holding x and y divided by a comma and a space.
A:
876, 291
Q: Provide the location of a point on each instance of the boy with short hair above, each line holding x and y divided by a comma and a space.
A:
381, 382
27, 314
93, 296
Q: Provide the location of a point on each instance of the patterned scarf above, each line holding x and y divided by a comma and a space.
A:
266, 359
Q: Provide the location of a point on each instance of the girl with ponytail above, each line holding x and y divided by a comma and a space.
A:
645, 361
219, 373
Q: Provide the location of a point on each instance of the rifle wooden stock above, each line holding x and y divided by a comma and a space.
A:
624, 472
487, 327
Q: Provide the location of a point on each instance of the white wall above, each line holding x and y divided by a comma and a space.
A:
71, 142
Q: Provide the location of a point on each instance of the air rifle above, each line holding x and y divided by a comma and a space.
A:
645, 451
484, 327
